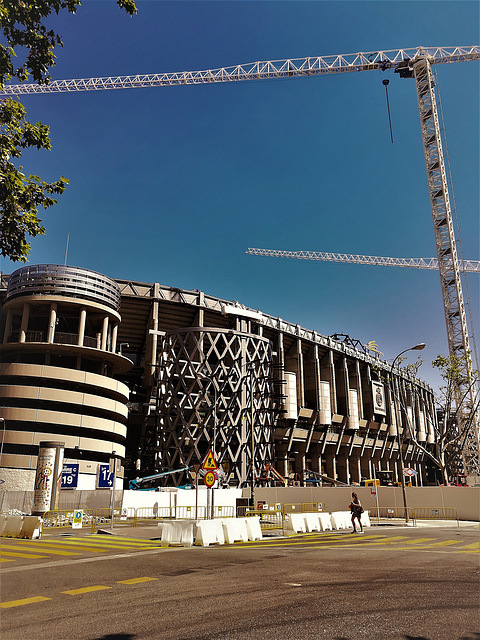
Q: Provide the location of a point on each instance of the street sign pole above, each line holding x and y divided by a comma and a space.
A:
112, 500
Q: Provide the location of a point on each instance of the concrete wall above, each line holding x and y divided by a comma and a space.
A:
465, 499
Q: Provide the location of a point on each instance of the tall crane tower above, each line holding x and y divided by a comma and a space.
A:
413, 63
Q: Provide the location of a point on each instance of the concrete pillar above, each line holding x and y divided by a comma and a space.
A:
81, 327
330, 464
365, 471
24, 325
103, 344
114, 338
355, 469
52, 323
342, 469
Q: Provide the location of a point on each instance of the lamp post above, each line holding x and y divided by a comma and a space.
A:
3, 437
417, 347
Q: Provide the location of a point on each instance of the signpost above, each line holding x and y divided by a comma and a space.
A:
210, 466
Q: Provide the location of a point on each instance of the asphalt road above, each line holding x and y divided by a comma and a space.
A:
391, 583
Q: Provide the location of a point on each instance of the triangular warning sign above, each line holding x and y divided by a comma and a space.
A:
209, 463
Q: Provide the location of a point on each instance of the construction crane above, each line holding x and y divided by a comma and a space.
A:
465, 266
413, 63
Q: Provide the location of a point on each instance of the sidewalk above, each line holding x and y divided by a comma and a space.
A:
154, 531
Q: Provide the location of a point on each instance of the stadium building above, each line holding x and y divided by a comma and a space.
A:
159, 376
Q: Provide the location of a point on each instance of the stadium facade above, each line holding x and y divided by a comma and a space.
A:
160, 376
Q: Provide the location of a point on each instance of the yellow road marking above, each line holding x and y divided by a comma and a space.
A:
135, 580
417, 541
20, 555
107, 544
445, 543
117, 540
19, 603
75, 546
43, 550
475, 545
74, 592
5, 560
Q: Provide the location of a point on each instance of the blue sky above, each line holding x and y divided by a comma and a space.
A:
173, 184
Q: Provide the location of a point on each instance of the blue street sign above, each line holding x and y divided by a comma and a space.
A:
70, 476
105, 477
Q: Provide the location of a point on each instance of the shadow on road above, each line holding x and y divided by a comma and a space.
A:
117, 636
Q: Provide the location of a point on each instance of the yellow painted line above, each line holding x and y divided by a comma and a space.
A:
417, 541
19, 603
135, 580
5, 560
91, 545
74, 592
43, 549
475, 545
445, 543
76, 546
120, 539
107, 544
20, 555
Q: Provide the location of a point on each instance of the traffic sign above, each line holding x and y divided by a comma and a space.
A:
209, 464
70, 476
210, 479
77, 519
105, 477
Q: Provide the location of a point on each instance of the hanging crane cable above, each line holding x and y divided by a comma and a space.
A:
385, 84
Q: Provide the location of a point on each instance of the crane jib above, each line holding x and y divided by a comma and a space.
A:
401, 60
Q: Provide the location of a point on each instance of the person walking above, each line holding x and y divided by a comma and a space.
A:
356, 510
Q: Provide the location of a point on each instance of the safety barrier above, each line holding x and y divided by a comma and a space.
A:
390, 513
270, 520
29, 527
63, 519
435, 513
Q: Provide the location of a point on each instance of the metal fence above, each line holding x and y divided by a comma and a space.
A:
390, 513
270, 519
435, 513
64, 519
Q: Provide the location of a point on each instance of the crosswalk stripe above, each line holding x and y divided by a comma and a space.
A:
417, 541
135, 580
53, 552
19, 603
75, 592
20, 555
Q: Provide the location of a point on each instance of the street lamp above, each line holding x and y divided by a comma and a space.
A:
3, 437
417, 347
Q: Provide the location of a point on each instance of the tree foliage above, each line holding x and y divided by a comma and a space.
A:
27, 50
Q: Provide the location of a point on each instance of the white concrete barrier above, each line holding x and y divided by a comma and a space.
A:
325, 521
178, 532
234, 530
366, 519
339, 520
31, 528
209, 532
295, 522
3, 522
312, 522
253, 528
13, 526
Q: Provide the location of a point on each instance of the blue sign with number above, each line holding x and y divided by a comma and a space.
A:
105, 477
70, 476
